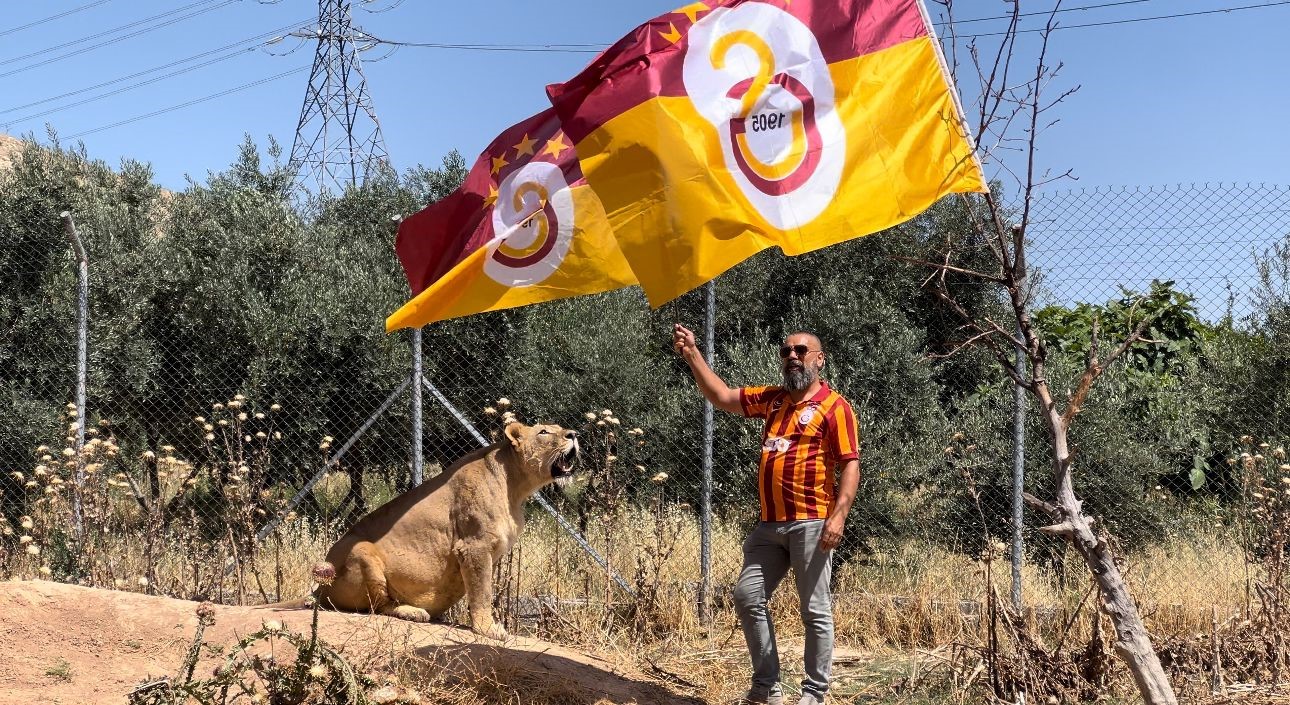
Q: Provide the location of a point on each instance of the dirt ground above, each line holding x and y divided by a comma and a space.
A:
75, 645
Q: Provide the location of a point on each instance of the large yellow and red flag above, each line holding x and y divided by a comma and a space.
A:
730, 126
524, 227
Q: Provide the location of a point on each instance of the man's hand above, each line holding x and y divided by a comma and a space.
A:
683, 341
832, 534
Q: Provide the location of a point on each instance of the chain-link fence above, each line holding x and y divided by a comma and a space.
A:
243, 405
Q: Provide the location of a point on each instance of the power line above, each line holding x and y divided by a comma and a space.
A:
545, 48
99, 35
576, 48
51, 18
189, 103
121, 38
259, 38
1108, 23
1032, 14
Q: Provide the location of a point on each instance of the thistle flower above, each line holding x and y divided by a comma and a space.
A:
261, 435
223, 422
241, 416
324, 573
149, 455
167, 449
611, 458
277, 435
68, 452
199, 419
118, 583
503, 402
33, 549
73, 426
273, 626
16, 475
600, 423
259, 415
71, 406
208, 428
247, 438
1279, 453
1246, 440
7, 531
44, 570
275, 407
143, 581
1000, 546
217, 406
210, 436
640, 469
39, 471
490, 411
235, 404
25, 539
206, 613
317, 671
590, 415
606, 412
659, 479
105, 423
614, 420
30, 483
46, 457
238, 397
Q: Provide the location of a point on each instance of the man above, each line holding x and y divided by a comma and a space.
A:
809, 432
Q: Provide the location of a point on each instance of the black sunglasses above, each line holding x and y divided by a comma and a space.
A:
801, 350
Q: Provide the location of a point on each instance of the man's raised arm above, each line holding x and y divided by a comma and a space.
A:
712, 386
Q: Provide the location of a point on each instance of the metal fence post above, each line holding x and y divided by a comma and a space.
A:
82, 343
418, 465
1018, 477
1019, 447
705, 501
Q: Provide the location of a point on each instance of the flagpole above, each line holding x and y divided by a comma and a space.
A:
705, 534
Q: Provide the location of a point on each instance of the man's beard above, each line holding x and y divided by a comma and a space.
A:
797, 379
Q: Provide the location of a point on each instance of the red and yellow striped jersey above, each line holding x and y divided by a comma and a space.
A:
801, 445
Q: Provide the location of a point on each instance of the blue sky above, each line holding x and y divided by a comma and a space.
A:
1181, 100
1187, 100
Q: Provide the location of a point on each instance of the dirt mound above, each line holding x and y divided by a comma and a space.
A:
68, 644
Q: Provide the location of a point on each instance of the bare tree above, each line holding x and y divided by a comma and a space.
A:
1011, 112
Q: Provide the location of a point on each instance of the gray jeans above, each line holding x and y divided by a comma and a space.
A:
769, 551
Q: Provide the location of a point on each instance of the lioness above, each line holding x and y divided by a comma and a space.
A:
416, 555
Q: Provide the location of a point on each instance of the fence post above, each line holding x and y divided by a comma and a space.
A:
82, 343
1019, 448
705, 501
417, 458
1018, 476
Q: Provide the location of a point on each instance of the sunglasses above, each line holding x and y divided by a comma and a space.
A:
801, 350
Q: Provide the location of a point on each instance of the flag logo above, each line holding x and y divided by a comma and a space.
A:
758, 75
534, 216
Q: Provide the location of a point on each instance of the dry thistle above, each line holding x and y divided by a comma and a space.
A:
324, 572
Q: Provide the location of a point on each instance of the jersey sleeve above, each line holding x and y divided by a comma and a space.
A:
755, 402
844, 433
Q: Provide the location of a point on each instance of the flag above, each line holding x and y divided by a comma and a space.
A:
729, 126
523, 227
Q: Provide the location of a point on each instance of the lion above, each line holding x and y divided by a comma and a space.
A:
418, 554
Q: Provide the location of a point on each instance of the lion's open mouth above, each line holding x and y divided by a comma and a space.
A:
562, 466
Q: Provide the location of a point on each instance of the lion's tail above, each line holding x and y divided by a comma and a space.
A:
296, 604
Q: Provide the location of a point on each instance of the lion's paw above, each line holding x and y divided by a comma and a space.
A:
496, 631
410, 613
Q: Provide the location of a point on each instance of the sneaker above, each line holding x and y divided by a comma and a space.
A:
760, 697
810, 699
